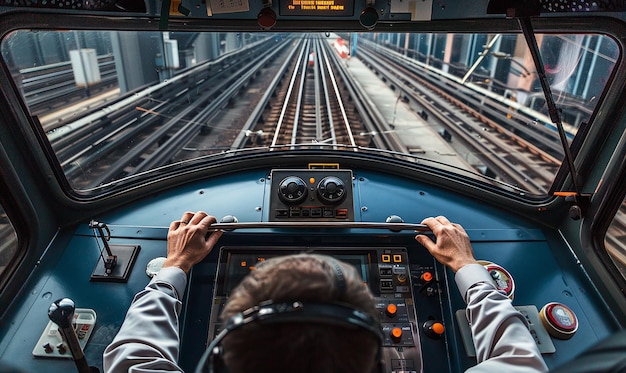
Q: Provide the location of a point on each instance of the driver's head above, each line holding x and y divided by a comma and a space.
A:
301, 347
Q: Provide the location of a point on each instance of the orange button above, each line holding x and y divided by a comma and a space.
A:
391, 310
427, 277
438, 328
396, 333
386, 258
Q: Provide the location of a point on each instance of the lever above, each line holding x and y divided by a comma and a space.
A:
111, 260
61, 312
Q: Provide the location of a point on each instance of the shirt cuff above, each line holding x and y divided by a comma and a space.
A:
470, 275
173, 276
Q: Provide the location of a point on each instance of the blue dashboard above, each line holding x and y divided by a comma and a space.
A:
538, 259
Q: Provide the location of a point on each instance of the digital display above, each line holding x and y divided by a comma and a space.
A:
240, 264
329, 8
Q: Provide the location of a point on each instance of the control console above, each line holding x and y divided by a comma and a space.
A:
303, 195
386, 272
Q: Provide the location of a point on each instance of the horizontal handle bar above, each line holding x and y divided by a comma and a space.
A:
322, 224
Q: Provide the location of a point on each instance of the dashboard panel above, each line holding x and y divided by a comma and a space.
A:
392, 263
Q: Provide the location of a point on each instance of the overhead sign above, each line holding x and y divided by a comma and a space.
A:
332, 8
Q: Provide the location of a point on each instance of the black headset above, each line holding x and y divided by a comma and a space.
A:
291, 312
268, 312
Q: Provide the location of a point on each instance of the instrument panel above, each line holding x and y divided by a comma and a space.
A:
319, 195
419, 305
387, 273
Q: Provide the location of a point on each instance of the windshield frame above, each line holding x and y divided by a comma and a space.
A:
179, 172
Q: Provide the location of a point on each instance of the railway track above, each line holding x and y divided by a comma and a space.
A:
175, 120
323, 107
148, 128
52, 87
505, 155
313, 111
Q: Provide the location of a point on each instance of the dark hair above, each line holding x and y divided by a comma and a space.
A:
305, 347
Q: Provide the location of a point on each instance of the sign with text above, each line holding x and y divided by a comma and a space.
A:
332, 8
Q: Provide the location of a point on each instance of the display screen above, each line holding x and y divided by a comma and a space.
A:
329, 8
240, 264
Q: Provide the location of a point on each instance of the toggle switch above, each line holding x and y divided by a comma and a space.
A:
48, 348
433, 329
62, 348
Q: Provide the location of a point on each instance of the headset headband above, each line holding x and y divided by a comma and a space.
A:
294, 312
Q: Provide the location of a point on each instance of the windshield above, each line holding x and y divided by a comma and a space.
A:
118, 105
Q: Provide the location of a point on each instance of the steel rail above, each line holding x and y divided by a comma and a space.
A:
128, 101
300, 94
121, 124
488, 103
495, 161
373, 120
319, 82
331, 123
174, 143
338, 95
312, 121
181, 126
283, 112
254, 118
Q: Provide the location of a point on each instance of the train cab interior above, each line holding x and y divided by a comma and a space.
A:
324, 126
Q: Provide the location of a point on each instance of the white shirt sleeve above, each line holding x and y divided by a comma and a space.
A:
501, 337
148, 340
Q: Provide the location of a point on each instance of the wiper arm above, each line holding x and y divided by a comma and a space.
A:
529, 35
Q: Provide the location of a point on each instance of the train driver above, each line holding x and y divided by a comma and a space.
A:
148, 340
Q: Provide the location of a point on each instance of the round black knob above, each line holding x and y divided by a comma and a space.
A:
433, 329
292, 190
331, 190
61, 312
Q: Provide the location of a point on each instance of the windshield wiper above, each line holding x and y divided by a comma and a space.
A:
531, 41
522, 10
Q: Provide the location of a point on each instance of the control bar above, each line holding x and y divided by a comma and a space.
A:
396, 227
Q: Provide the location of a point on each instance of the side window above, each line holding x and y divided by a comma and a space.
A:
8, 241
615, 239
